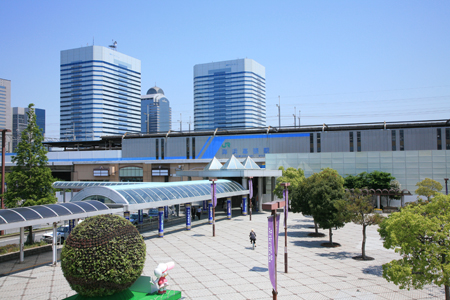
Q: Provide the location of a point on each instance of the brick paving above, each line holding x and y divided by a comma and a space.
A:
226, 267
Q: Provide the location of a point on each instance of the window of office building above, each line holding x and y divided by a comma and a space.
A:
318, 143
394, 140
402, 141
358, 141
193, 148
187, 148
351, 140
447, 138
311, 142
162, 148
439, 138
131, 174
157, 149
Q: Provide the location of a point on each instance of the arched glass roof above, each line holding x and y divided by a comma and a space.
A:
28, 216
156, 194
83, 184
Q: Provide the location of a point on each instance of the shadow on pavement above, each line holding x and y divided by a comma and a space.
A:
337, 255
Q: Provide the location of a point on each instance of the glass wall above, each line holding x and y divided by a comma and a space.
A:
408, 167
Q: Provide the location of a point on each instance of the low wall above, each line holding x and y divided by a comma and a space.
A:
27, 252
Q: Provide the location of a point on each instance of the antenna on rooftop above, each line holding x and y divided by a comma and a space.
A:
114, 45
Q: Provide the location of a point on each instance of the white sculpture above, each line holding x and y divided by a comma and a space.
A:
160, 283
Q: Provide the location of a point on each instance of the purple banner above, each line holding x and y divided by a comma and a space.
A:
286, 205
213, 195
250, 183
272, 250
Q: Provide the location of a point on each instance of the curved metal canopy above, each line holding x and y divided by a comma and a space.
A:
39, 214
84, 184
157, 194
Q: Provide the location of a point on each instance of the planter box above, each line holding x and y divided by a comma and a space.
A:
26, 252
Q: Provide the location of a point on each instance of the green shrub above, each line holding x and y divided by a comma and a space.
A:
103, 255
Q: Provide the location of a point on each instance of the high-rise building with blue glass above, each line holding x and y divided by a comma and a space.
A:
229, 94
100, 93
156, 113
20, 122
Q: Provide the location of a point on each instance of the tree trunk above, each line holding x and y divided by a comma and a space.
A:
363, 246
316, 228
447, 293
331, 236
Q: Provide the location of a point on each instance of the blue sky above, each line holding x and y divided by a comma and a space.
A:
336, 61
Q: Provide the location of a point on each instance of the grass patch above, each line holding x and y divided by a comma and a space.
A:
15, 247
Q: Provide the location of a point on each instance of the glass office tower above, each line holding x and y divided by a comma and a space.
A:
100, 93
156, 113
20, 122
229, 94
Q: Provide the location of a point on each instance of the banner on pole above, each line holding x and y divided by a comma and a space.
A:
213, 195
272, 250
250, 183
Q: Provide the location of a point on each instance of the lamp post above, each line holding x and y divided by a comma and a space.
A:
213, 195
4, 131
285, 185
446, 187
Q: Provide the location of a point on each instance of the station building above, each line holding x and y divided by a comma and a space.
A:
410, 151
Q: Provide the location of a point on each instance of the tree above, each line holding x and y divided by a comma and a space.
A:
317, 196
420, 234
291, 175
428, 188
374, 180
30, 181
358, 208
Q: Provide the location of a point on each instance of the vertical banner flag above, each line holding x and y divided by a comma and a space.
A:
251, 188
271, 248
213, 194
286, 206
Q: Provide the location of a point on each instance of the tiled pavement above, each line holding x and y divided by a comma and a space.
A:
225, 266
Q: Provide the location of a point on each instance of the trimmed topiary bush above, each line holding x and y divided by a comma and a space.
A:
103, 255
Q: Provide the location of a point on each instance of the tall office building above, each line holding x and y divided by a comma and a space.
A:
156, 113
229, 94
20, 122
100, 93
5, 111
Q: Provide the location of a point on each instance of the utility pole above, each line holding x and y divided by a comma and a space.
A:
295, 117
181, 124
279, 115
299, 112
189, 124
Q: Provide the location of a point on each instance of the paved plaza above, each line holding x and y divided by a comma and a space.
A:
226, 267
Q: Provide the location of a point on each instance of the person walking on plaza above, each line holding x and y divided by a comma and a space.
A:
252, 236
199, 212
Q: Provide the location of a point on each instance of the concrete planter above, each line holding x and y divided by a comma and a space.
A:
26, 252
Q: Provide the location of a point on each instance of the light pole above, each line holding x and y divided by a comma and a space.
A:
299, 113
4, 131
279, 115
